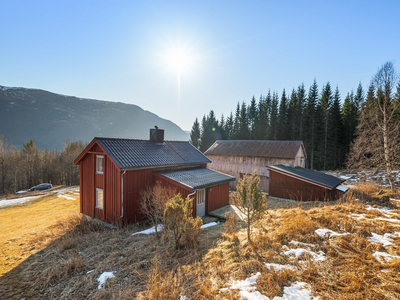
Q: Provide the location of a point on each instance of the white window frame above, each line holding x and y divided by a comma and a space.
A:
97, 194
97, 164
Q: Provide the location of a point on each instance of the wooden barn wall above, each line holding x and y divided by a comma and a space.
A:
217, 197
87, 191
134, 182
237, 165
283, 186
112, 192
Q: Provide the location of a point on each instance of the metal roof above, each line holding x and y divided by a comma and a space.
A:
272, 149
318, 177
197, 178
131, 153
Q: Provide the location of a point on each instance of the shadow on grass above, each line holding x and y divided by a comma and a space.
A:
68, 268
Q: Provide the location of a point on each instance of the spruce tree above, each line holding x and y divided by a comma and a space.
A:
335, 152
253, 116
274, 117
310, 123
282, 118
244, 132
236, 123
195, 134
324, 107
292, 115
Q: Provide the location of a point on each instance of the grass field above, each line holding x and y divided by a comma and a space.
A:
29, 227
57, 254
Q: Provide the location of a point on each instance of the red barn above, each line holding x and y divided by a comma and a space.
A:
303, 184
114, 172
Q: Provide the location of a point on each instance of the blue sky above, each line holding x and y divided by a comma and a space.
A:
116, 50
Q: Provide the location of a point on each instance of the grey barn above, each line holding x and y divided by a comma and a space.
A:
241, 157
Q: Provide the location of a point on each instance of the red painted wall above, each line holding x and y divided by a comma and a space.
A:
287, 187
217, 197
135, 182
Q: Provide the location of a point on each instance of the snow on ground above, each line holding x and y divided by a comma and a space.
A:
383, 256
278, 267
379, 177
385, 239
62, 193
150, 230
160, 228
11, 202
248, 285
323, 231
388, 220
209, 225
386, 211
103, 278
298, 291
300, 251
303, 244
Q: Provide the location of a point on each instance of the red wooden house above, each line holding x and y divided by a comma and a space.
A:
303, 184
113, 173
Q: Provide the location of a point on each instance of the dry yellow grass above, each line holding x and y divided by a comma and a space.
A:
145, 268
26, 229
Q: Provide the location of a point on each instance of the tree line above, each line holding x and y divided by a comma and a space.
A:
22, 169
317, 117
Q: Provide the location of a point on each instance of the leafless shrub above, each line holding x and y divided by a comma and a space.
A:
154, 200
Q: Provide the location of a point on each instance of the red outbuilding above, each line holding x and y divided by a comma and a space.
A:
113, 173
303, 184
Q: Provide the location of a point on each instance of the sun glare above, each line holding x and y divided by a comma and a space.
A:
179, 60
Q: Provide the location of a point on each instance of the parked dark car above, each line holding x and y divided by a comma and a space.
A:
43, 186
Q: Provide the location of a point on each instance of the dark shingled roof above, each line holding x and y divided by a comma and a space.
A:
273, 149
197, 178
130, 153
311, 175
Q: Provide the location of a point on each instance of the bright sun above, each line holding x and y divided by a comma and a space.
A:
179, 60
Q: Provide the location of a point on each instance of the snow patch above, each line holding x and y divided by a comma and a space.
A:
322, 232
88, 272
385, 239
252, 295
278, 267
209, 225
383, 256
103, 278
388, 220
300, 251
150, 230
160, 228
303, 244
11, 202
297, 291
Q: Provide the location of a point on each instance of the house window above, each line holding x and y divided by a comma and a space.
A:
99, 198
99, 164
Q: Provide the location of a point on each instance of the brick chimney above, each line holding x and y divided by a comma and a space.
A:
157, 135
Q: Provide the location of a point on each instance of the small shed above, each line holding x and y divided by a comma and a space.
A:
242, 157
304, 184
113, 173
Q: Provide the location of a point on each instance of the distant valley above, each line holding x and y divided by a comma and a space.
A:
50, 119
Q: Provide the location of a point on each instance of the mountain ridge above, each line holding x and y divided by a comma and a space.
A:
50, 119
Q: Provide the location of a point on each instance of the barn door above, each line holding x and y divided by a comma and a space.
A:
201, 203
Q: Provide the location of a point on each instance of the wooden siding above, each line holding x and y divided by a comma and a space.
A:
181, 189
112, 191
217, 197
135, 182
87, 191
283, 186
109, 182
237, 165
